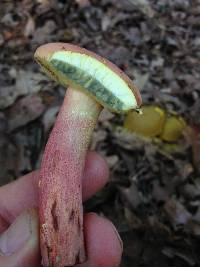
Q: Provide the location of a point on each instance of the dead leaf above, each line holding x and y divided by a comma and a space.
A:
134, 36
3, 123
97, 137
127, 140
191, 191
49, 117
120, 55
157, 63
27, 82
112, 160
105, 23
140, 79
192, 135
133, 221
177, 212
159, 192
83, 3
144, 7
131, 195
7, 96
44, 34
30, 27
23, 159
24, 110
1, 39
172, 252
105, 115
8, 154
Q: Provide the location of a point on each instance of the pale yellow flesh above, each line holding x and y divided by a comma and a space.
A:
73, 68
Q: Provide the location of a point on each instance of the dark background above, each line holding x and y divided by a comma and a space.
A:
153, 195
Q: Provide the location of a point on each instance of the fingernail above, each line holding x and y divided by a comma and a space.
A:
16, 236
114, 229
118, 236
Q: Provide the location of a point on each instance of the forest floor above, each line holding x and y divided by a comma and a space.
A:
153, 195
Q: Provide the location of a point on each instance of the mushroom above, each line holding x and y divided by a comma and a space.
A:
150, 124
94, 83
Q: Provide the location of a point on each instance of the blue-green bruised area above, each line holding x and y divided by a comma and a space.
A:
88, 82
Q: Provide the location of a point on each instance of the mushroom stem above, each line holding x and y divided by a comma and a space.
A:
60, 185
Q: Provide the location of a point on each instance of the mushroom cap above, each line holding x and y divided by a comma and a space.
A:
81, 69
173, 128
149, 124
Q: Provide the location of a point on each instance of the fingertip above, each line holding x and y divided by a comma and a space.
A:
20, 243
96, 174
104, 246
97, 165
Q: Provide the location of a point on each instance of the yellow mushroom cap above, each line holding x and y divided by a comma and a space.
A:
173, 128
149, 124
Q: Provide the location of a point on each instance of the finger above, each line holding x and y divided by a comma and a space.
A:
19, 245
104, 246
95, 174
23, 193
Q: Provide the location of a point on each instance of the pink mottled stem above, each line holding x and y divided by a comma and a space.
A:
60, 190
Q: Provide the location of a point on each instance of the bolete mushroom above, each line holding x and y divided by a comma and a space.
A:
149, 124
94, 83
173, 128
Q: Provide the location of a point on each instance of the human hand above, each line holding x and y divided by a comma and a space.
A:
19, 228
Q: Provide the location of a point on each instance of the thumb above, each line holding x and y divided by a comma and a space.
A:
19, 244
